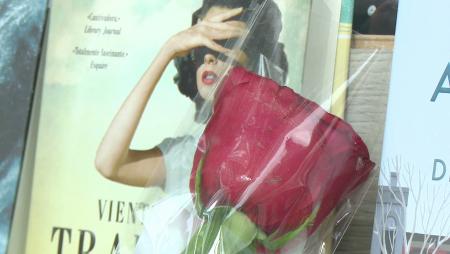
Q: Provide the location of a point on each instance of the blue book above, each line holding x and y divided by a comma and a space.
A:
22, 23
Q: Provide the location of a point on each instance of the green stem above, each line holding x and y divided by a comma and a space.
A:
224, 231
198, 186
203, 240
274, 244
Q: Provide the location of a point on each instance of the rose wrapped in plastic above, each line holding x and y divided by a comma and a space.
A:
269, 166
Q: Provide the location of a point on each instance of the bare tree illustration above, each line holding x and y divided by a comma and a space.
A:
390, 232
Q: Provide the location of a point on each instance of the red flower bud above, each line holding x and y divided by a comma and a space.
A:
276, 156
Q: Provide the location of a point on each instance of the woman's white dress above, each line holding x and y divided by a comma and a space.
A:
170, 222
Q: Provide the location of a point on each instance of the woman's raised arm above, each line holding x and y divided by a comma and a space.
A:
114, 159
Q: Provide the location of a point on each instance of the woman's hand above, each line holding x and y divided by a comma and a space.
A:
205, 32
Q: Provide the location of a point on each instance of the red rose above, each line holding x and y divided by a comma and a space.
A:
276, 157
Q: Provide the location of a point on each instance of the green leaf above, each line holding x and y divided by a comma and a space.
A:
261, 236
251, 249
237, 233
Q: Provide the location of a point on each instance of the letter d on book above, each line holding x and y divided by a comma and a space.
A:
439, 167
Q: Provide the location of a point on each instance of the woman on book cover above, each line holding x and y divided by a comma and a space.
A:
202, 53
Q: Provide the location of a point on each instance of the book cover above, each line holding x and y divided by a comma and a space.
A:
21, 31
341, 68
321, 49
413, 206
92, 64
296, 17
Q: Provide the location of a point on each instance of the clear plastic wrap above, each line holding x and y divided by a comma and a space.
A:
261, 168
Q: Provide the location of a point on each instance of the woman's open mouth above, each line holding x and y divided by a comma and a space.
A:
209, 77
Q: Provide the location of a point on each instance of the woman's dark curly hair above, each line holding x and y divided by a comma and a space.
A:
262, 39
